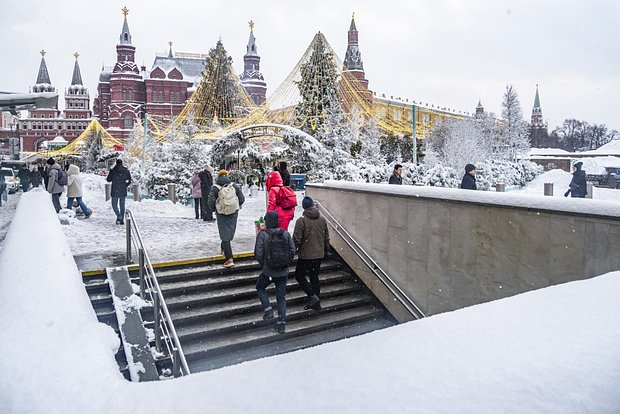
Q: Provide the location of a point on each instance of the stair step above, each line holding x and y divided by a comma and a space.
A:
266, 334
227, 309
214, 275
254, 319
236, 293
289, 345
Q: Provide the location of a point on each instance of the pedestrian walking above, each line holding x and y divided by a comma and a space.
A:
274, 251
281, 199
196, 194
396, 177
206, 182
311, 237
261, 177
74, 190
469, 179
225, 198
54, 180
578, 186
35, 176
120, 177
24, 178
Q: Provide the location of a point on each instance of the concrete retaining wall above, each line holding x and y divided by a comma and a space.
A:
448, 251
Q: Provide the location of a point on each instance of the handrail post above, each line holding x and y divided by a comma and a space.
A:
156, 321
128, 233
141, 270
176, 363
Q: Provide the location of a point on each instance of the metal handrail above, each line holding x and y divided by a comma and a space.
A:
163, 325
387, 281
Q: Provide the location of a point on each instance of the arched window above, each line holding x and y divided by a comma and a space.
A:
128, 122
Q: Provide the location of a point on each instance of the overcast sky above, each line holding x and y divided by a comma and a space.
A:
448, 53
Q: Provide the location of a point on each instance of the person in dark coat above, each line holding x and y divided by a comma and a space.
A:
311, 237
226, 224
120, 177
286, 176
35, 176
206, 182
268, 274
578, 186
53, 187
396, 177
24, 178
469, 179
261, 177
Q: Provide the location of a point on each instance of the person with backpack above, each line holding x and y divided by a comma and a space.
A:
282, 199
286, 176
57, 179
226, 199
311, 237
74, 190
274, 251
120, 177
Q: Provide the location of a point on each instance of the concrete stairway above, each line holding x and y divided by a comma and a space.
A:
218, 317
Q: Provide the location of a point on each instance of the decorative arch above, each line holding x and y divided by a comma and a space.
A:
299, 142
158, 73
175, 74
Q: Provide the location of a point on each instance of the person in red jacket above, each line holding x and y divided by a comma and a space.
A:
274, 185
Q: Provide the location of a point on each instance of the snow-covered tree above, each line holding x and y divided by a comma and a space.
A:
513, 130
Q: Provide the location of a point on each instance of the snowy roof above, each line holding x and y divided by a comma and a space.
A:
548, 151
191, 68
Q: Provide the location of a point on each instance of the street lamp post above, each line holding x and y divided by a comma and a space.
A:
415, 138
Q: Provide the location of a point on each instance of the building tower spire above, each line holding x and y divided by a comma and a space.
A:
353, 57
170, 54
43, 83
537, 118
252, 78
76, 79
479, 108
125, 37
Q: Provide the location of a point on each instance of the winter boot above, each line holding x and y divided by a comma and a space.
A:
280, 327
313, 303
268, 314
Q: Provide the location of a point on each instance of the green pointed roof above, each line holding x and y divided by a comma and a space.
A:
352, 28
537, 99
76, 79
43, 77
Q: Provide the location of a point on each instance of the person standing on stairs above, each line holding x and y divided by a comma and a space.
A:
274, 251
226, 199
311, 237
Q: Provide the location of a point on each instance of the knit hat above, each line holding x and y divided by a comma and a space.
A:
222, 172
578, 165
272, 221
470, 167
51, 161
307, 202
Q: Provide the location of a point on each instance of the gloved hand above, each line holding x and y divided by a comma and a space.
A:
567, 193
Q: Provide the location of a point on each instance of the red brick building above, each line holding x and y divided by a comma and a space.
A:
45, 124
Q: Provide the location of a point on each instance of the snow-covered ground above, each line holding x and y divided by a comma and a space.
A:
547, 351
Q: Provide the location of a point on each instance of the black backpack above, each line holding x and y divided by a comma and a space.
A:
277, 253
62, 177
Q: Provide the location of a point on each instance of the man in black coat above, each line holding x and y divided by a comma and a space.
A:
206, 182
286, 176
469, 179
120, 178
24, 178
396, 177
578, 186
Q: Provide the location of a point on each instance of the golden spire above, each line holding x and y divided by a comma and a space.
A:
76, 55
125, 11
251, 23
353, 17
42, 52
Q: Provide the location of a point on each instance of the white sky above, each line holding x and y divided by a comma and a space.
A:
448, 53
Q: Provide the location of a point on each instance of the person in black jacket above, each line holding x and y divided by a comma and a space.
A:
206, 182
396, 177
578, 186
120, 178
24, 178
469, 179
286, 176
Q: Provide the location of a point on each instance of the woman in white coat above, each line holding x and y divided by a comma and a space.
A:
74, 190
